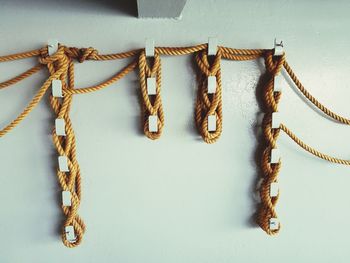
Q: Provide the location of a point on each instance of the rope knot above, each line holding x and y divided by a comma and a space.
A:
81, 54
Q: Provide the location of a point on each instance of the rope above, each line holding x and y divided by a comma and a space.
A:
21, 76
208, 104
61, 66
269, 170
151, 104
312, 150
23, 55
65, 145
312, 99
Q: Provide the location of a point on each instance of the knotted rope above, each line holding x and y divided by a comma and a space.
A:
61, 66
208, 104
270, 170
151, 104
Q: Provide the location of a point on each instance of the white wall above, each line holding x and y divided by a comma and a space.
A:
177, 199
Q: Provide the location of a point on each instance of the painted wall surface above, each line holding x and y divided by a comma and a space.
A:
159, 9
177, 199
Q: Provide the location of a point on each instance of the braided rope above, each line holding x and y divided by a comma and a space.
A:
270, 170
151, 104
61, 67
65, 145
208, 104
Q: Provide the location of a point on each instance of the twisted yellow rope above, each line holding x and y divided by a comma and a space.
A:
270, 170
61, 66
312, 150
65, 145
151, 104
208, 104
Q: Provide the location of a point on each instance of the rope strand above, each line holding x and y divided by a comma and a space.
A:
208, 104
312, 99
61, 67
151, 104
270, 170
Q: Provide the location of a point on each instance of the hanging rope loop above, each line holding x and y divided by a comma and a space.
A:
151, 105
208, 104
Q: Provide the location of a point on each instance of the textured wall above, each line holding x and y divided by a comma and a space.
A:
177, 199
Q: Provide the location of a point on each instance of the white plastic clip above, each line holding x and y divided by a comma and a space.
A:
274, 189
70, 234
212, 46
211, 84
63, 164
151, 86
278, 51
153, 123
149, 47
66, 198
56, 85
52, 46
276, 120
212, 123
60, 127
274, 224
275, 156
277, 85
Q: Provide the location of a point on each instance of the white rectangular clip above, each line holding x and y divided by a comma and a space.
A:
277, 83
274, 224
60, 127
56, 85
275, 156
274, 189
212, 123
52, 46
153, 123
276, 120
151, 86
70, 235
149, 47
278, 48
63, 164
211, 84
66, 198
212, 46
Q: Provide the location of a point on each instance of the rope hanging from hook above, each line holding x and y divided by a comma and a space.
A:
270, 170
151, 105
208, 104
62, 67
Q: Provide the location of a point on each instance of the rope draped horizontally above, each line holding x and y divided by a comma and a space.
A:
61, 67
